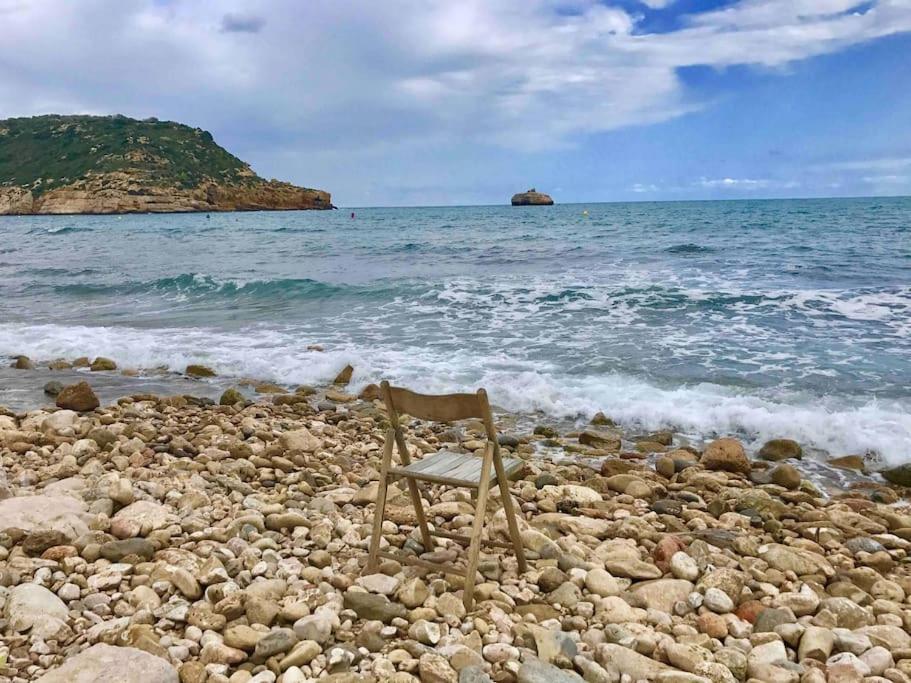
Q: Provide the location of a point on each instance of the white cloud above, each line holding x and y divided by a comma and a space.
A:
344, 83
657, 4
644, 187
876, 164
747, 184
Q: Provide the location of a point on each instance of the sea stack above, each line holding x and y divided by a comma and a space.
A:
531, 198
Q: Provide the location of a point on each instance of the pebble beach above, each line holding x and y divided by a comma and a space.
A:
225, 540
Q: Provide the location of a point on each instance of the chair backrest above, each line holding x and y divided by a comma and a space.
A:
439, 407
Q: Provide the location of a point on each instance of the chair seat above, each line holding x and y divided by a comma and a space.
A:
454, 469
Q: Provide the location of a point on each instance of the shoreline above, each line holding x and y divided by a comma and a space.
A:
634, 442
227, 542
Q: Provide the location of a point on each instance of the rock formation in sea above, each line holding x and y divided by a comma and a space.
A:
114, 164
531, 198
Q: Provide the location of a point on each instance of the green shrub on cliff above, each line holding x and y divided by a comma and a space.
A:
44, 152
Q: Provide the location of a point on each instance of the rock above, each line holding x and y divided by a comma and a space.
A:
619, 661
855, 463
632, 569
101, 364
39, 541
780, 449
615, 610
413, 593
474, 674
372, 606
718, 601
107, 664
662, 594
195, 370
379, 583
773, 653
140, 519
536, 671
434, 668
301, 654
22, 363
531, 198
899, 475
44, 513
578, 495
848, 614
79, 397
816, 643
53, 388
786, 476
344, 377
231, 397
726, 454
683, 566
768, 619
845, 668
601, 582
242, 637
596, 438
878, 659
33, 608
115, 551
688, 657
786, 558
300, 440
275, 643
316, 627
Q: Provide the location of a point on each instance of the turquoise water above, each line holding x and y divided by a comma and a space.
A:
762, 318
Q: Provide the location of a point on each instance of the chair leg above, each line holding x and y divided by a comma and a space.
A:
510, 513
477, 529
380, 509
415, 491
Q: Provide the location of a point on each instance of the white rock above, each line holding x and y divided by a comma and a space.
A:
684, 567
37, 513
300, 440
58, 421
379, 583
600, 582
30, 606
718, 601
106, 664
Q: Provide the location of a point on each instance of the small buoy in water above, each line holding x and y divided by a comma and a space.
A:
352, 214
585, 212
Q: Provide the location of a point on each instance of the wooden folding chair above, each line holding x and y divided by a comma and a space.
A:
449, 469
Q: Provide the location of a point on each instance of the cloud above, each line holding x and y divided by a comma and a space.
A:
875, 164
235, 23
749, 184
657, 4
345, 84
644, 187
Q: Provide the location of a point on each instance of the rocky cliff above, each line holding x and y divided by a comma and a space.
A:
531, 198
89, 164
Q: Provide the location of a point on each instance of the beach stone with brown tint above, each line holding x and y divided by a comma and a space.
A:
23, 363
343, 377
780, 449
101, 364
195, 370
726, 454
78, 397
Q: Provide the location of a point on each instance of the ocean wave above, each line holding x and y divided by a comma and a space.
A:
60, 230
836, 424
195, 285
689, 248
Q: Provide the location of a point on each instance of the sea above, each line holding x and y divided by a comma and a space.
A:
761, 319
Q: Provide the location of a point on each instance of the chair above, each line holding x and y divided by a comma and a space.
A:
449, 469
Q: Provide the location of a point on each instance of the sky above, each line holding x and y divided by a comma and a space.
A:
431, 102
